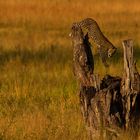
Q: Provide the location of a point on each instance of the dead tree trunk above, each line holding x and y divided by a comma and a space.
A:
108, 106
128, 79
130, 87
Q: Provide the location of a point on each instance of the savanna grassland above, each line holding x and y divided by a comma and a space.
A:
38, 92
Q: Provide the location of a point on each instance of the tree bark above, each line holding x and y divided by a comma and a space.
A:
130, 87
111, 104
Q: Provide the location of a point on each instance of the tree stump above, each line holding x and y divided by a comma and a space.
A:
109, 105
128, 79
130, 87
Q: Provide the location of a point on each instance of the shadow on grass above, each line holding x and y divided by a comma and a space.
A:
118, 56
55, 54
137, 54
115, 59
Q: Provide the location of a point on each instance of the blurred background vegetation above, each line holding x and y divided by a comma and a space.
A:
38, 92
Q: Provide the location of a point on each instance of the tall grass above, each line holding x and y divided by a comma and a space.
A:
38, 92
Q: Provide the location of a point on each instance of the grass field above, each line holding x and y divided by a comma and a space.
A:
38, 92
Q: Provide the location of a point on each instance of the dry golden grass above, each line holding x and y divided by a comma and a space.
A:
45, 20
38, 97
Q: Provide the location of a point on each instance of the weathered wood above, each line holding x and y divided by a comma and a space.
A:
82, 57
131, 82
128, 66
111, 104
96, 82
128, 79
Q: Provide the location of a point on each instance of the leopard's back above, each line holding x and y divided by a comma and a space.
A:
97, 35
